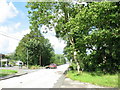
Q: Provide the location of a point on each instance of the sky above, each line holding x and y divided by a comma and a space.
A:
14, 24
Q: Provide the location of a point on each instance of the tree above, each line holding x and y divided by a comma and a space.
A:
83, 28
10, 56
100, 34
39, 49
59, 59
57, 15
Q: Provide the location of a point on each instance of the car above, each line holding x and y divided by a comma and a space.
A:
51, 66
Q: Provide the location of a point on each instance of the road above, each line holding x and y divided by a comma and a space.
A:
43, 78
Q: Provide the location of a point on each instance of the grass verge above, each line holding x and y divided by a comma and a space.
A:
5, 72
101, 80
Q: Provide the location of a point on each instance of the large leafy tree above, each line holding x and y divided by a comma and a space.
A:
57, 15
96, 28
38, 49
93, 28
101, 19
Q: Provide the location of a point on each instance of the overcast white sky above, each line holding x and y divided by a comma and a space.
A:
14, 23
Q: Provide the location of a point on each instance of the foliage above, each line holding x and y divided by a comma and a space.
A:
34, 67
102, 38
12, 62
105, 80
11, 56
52, 14
59, 59
85, 29
97, 32
35, 48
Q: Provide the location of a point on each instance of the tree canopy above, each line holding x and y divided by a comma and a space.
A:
36, 48
91, 32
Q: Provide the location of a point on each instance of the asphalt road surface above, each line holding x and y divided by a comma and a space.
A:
43, 78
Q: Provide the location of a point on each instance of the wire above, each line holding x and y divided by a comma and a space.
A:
9, 36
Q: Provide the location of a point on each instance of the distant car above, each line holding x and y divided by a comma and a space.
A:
51, 66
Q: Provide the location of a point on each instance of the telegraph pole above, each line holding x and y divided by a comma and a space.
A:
27, 58
1, 60
60, 58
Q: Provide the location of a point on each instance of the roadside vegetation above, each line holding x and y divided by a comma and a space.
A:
34, 67
5, 72
58, 59
106, 80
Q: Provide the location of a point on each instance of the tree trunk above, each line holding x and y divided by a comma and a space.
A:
76, 61
40, 60
72, 41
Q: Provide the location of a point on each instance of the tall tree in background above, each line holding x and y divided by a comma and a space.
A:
59, 59
38, 48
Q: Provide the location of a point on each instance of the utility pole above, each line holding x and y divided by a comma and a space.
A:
27, 58
60, 58
1, 59
40, 57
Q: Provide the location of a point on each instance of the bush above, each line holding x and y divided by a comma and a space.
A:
12, 62
34, 67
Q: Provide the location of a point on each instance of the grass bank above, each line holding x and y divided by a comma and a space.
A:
94, 78
5, 72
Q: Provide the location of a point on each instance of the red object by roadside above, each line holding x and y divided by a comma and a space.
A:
52, 66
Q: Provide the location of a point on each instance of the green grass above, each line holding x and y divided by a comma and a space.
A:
101, 80
5, 72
